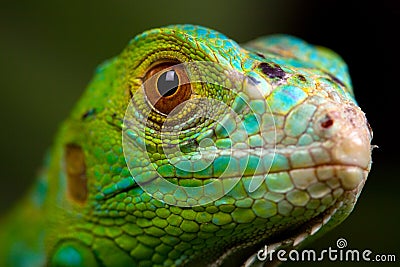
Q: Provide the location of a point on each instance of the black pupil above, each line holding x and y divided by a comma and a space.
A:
168, 83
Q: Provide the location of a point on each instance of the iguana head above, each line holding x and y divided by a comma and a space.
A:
194, 149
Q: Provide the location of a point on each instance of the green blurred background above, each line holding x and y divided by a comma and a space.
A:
49, 49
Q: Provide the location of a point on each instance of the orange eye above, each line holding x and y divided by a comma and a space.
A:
166, 87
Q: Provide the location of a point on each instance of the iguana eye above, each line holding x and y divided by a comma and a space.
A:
166, 86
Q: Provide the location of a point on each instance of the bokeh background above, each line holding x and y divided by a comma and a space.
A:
49, 49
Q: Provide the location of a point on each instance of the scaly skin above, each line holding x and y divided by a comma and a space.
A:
299, 144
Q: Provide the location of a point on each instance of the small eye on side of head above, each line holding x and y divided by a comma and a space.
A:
166, 86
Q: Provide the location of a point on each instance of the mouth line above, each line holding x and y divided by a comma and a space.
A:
259, 154
326, 165
315, 167
332, 165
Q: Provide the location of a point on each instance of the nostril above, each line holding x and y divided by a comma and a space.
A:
327, 122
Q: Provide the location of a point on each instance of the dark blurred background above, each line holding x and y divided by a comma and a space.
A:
49, 49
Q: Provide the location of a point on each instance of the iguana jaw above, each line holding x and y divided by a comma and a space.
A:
302, 234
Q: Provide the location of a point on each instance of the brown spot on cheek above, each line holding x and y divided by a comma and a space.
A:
76, 173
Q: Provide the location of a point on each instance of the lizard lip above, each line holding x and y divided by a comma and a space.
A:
354, 154
354, 150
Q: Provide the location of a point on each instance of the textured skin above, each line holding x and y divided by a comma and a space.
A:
314, 137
